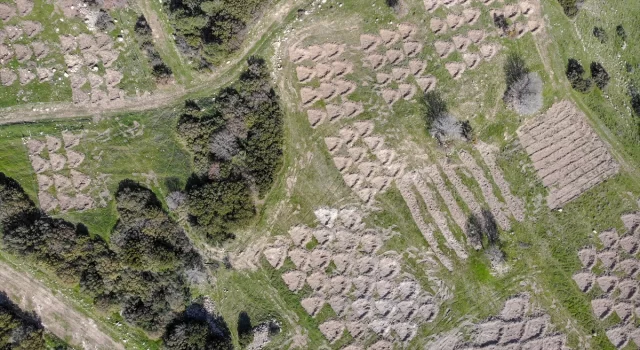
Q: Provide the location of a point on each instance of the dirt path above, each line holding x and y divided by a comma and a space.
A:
224, 75
57, 316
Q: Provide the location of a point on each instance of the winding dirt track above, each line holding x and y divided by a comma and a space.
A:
225, 74
56, 315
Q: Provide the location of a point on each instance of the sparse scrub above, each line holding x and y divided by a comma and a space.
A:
599, 75
209, 31
524, 89
575, 73
160, 70
440, 123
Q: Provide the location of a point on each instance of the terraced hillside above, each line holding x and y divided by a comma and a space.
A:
410, 174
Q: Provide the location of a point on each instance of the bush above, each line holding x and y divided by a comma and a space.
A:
442, 125
570, 7
601, 34
599, 75
621, 33
575, 73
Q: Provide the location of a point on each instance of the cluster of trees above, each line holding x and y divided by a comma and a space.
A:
441, 124
575, 74
524, 88
236, 141
22, 330
145, 272
208, 31
144, 37
571, 7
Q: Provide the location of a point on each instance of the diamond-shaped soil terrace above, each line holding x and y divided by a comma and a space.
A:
612, 268
54, 160
368, 292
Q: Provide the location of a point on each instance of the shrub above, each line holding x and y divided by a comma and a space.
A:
570, 7
599, 75
600, 34
621, 33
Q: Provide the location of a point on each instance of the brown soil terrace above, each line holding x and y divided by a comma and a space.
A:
616, 278
368, 292
567, 154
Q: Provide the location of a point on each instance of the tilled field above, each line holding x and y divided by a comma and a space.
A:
567, 154
610, 274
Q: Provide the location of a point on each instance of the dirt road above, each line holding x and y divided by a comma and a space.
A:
57, 315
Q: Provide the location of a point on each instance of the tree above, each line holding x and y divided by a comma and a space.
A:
19, 329
245, 329
197, 329
514, 68
442, 125
525, 94
599, 75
